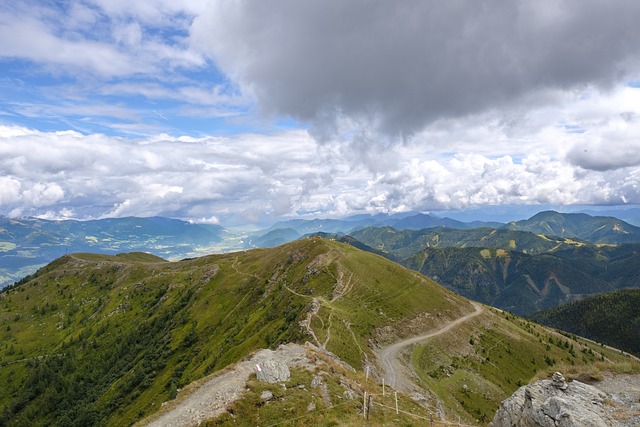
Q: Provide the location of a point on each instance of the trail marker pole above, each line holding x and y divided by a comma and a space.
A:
364, 405
395, 394
367, 374
382, 386
368, 407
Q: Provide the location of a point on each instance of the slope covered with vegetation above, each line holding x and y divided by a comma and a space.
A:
94, 338
509, 280
105, 340
406, 243
612, 318
523, 283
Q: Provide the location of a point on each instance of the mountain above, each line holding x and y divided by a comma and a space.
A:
95, 339
26, 244
612, 318
405, 243
630, 215
594, 229
523, 283
276, 237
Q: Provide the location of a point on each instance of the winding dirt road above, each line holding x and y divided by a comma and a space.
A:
395, 373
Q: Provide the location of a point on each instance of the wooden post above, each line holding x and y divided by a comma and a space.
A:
368, 407
364, 405
367, 373
395, 394
382, 386
431, 420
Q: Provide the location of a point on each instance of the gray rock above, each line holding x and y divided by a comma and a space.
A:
272, 371
311, 406
554, 403
349, 395
266, 395
558, 381
316, 381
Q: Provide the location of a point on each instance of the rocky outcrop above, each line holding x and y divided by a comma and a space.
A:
272, 370
554, 403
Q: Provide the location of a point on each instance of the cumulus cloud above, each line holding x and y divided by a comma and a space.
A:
400, 66
251, 177
614, 145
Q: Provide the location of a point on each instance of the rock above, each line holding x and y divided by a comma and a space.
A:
316, 381
266, 395
272, 371
554, 403
311, 406
349, 395
558, 381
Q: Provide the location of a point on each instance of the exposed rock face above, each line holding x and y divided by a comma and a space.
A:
554, 403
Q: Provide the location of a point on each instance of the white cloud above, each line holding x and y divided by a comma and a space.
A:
419, 106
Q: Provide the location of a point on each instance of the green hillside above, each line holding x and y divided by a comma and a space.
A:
105, 340
509, 280
406, 243
523, 283
612, 318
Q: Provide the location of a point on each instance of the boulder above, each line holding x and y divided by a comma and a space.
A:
554, 403
272, 370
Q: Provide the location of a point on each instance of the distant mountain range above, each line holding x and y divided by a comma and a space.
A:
523, 283
26, 244
594, 229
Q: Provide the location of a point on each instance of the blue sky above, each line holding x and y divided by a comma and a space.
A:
237, 110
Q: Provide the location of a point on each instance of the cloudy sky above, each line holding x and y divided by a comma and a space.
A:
259, 109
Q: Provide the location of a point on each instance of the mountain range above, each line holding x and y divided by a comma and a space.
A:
29, 243
514, 267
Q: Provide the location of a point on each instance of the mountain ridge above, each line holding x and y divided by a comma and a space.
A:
100, 337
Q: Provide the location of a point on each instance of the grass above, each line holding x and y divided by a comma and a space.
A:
96, 339
483, 362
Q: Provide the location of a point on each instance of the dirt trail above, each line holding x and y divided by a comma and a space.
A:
216, 393
395, 373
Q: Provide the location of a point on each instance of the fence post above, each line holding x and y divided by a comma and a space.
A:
368, 407
364, 405
395, 394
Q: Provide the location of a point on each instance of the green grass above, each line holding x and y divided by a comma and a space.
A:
105, 340
493, 356
132, 328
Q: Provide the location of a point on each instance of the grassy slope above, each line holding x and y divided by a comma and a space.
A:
131, 333
406, 243
94, 340
515, 281
612, 318
483, 362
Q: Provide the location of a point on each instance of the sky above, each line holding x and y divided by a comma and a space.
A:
245, 111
